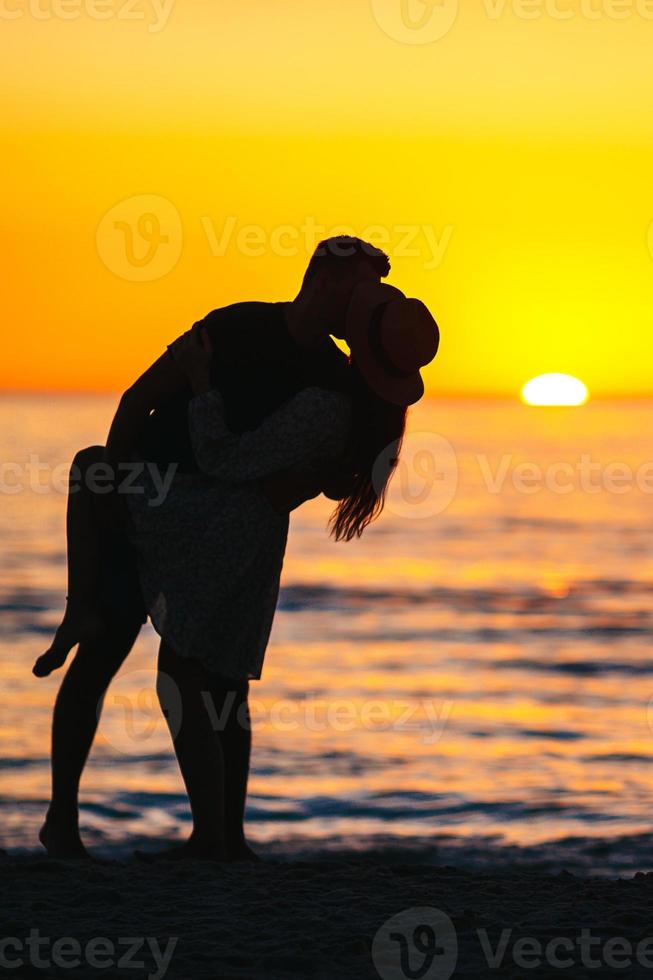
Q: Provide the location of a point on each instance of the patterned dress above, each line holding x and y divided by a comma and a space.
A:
210, 555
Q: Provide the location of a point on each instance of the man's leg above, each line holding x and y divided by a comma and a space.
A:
182, 687
76, 715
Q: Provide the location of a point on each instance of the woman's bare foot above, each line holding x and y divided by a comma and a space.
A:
77, 625
61, 840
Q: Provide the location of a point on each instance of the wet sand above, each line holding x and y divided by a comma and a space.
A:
310, 919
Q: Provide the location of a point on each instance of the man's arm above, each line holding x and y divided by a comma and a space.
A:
161, 381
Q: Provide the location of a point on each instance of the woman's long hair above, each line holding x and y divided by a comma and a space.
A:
377, 432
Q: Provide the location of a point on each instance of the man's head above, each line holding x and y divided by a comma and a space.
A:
336, 267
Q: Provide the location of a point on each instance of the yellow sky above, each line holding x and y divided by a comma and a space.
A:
501, 152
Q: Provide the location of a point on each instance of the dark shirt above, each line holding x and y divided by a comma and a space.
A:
257, 366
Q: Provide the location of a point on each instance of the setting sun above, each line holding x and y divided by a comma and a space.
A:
554, 390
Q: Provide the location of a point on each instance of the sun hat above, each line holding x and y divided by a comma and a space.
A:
390, 337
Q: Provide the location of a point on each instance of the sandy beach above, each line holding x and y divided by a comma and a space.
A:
505, 790
319, 919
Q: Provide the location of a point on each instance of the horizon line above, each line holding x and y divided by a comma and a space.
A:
452, 395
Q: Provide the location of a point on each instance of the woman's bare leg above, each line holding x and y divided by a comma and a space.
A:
76, 715
231, 707
182, 687
82, 619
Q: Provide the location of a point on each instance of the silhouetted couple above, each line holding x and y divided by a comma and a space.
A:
249, 414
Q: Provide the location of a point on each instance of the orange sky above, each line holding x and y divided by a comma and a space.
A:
171, 157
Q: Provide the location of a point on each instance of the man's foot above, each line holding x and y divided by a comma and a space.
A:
62, 841
243, 852
192, 850
75, 627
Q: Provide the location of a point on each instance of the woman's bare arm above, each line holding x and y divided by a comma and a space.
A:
160, 382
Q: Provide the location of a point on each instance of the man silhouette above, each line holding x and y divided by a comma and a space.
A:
263, 353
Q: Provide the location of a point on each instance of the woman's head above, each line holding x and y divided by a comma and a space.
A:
377, 431
390, 338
